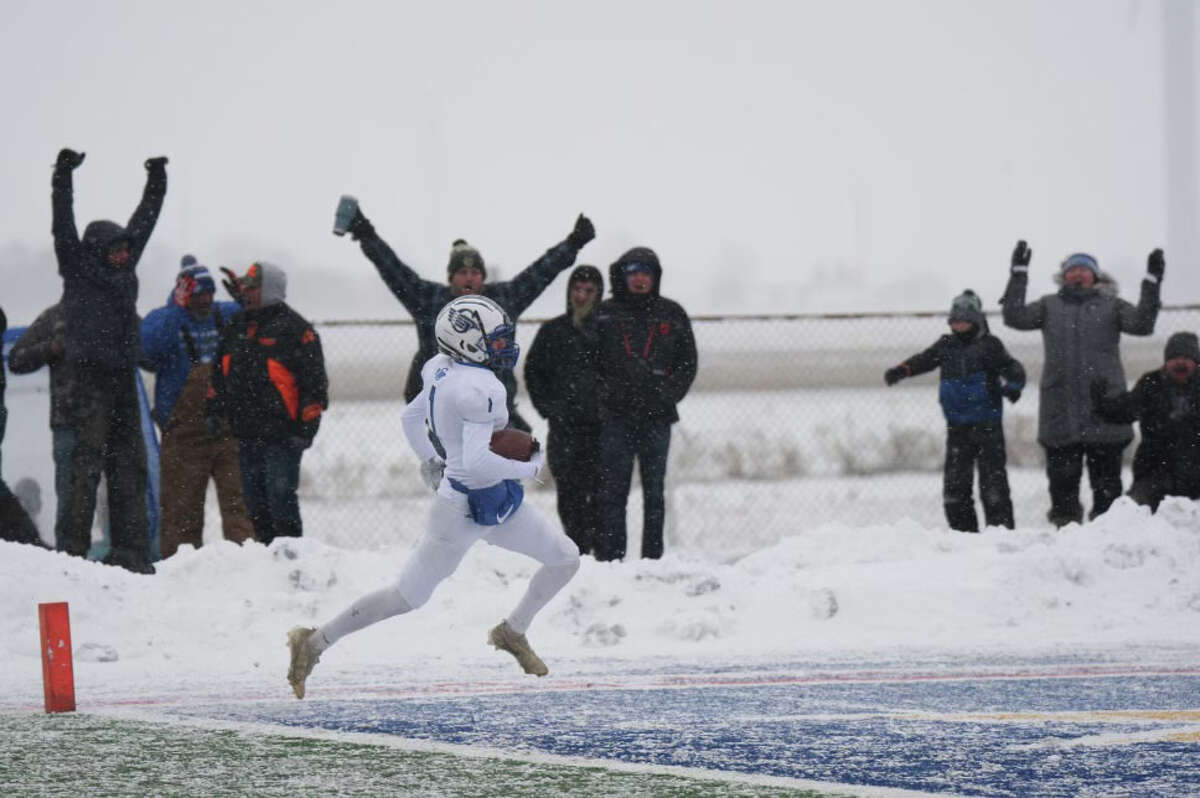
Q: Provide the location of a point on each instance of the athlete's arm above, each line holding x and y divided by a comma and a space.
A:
413, 421
484, 465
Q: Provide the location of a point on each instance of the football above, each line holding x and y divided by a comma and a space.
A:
514, 444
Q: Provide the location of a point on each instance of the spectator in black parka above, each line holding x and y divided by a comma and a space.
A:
560, 374
1166, 404
976, 371
100, 291
647, 364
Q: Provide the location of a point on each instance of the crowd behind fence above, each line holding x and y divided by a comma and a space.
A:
788, 426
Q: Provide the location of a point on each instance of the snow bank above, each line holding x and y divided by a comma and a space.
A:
219, 614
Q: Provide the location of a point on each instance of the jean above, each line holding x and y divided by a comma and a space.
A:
270, 477
622, 441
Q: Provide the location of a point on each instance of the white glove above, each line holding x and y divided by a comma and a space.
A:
538, 461
431, 472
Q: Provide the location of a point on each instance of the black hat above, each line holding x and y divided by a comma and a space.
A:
1182, 344
464, 256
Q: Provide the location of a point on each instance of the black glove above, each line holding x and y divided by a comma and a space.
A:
1156, 264
212, 425
69, 158
156, 164
360, 227
230, 281
895, 374
1021, 256
1012, 392
584, 232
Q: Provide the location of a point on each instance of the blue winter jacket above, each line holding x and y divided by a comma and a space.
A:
166, 334
975, 371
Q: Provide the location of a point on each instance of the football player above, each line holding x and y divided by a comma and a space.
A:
479, 493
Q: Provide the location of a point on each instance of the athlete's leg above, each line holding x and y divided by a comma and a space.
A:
448, 536
528, 532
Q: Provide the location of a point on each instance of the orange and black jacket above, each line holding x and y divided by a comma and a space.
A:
270, 377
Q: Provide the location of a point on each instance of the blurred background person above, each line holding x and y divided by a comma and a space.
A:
15, 523
647, 364
560, 375
270, 384
100, 291
179, 344
1081, 326
976, 370
466, 273
44, 343
1166, 404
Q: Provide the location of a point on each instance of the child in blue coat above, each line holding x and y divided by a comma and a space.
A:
976, 370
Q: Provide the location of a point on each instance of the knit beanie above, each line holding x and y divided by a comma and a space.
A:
967, 307
1080, 259
199, 273
464, 256
1182, 344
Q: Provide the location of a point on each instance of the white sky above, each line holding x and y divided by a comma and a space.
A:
780, 156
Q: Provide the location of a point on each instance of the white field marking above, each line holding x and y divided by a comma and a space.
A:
483, 752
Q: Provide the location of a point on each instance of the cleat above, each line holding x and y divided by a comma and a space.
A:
504, 638
303, 658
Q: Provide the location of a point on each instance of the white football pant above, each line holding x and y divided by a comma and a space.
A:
449, 533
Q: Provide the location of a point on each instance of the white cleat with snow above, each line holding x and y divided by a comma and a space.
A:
505, 638
303, 658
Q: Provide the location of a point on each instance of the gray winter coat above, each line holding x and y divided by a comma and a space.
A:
1081, 333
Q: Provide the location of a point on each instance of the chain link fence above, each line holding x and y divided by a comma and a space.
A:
787, 426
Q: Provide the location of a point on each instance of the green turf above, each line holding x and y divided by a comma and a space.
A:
80, 754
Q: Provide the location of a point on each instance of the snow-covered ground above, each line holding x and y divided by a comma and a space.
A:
1128, 583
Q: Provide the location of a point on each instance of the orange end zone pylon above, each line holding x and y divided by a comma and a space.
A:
58, 674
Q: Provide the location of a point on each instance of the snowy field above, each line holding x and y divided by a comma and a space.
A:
813, 629
849, 659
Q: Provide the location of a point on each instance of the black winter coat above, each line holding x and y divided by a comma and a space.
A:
103, 329
35, 348
971, 373
424, 298
1169, 417
560, 371
647, 351
270, 378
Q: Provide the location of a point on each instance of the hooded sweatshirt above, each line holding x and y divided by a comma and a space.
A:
560, 367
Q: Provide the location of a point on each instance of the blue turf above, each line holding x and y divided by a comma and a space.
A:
794, 730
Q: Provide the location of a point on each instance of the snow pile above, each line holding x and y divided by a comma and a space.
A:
220, 613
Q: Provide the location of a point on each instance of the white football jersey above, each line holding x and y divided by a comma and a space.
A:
453, 418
